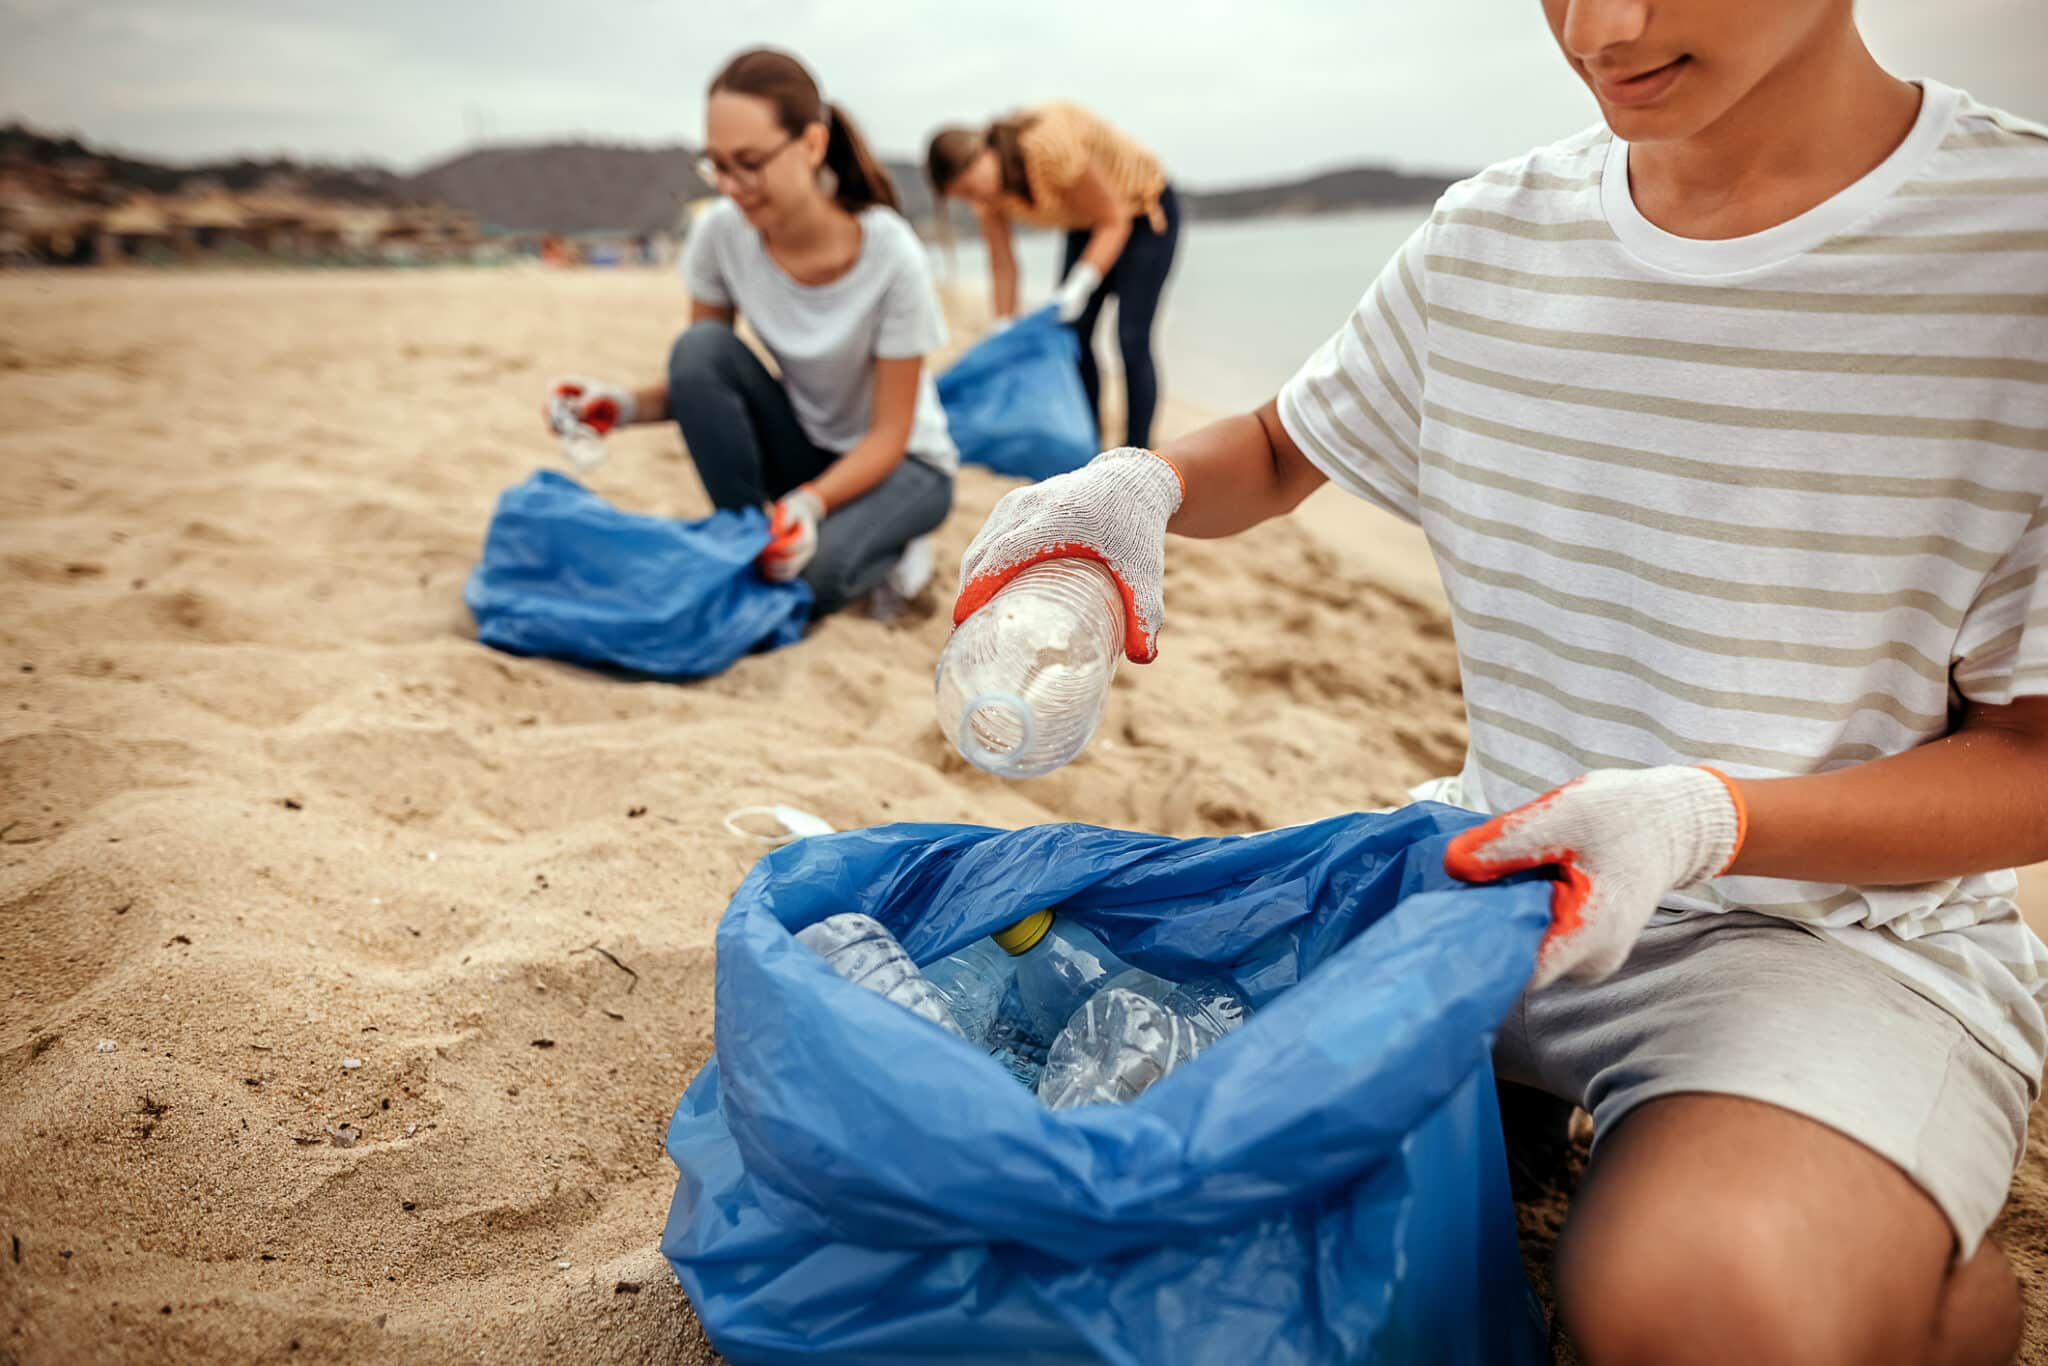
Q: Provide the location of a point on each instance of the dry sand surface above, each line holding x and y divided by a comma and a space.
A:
265, 806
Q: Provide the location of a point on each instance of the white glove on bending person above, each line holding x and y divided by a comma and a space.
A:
1621, 840
1113, 510
1071, 298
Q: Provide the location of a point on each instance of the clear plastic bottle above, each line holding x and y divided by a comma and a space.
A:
972, 982
862, 951
583, 447
1014, 1042
1060, 964
1023, 682
1117, 1044
1213, 1004
582, 444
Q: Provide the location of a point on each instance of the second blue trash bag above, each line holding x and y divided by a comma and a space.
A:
1325, 1184
1014, 400
566, 575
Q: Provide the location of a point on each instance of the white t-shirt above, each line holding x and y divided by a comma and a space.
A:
1771, 503
827, 338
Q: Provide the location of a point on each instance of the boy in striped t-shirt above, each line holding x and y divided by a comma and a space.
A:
1728, 425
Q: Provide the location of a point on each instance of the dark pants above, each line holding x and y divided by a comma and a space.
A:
749, 449
1137, 279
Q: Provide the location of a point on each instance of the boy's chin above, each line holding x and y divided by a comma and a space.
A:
1658, 122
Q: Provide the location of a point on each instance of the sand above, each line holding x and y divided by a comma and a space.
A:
267, 808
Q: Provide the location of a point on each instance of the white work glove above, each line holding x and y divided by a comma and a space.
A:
600, 407
1112, 510
792, 534
1620, 840
1071, 298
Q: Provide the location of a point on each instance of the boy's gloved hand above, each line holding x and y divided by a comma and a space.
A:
1112, 510
600, 407
792, 534
1071, 298
1621, 840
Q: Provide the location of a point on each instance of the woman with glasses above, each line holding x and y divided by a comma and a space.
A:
1059, 166
848, 448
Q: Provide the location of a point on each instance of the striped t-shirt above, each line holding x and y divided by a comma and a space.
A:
1771, 503
1058, 143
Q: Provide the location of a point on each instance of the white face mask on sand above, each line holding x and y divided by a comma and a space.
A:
775, 824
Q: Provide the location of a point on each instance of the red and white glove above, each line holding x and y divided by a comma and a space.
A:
1113, 510
1621, 840
792, 534
600, 407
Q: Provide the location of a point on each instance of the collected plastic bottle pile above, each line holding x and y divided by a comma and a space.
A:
1050, 1002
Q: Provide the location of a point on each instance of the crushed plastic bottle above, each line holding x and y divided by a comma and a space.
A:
1022, 684
862, 951
583, 445
1116, 1046
1060, 964
1214, 1005
972, 982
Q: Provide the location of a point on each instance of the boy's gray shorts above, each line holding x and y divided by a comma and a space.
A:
1744, 1005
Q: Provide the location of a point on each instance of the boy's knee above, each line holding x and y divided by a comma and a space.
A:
1732, 1283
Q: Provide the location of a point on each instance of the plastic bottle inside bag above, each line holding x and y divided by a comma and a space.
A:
972, 983
1117, 1044
1060, 964
1015, 1042
862, 951
1213, 1004
1023, 682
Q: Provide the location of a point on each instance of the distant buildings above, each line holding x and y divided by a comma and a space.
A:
69, 212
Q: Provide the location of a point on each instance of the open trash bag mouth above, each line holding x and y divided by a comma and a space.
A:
832, 1121
1015, 403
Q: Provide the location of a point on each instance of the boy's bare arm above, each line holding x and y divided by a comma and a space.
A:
1237, 473
1973, 801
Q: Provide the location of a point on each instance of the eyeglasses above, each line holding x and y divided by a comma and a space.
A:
744, 171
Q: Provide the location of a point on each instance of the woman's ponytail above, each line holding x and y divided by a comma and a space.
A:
861, 182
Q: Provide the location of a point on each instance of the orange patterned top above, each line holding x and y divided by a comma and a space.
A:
1058, 144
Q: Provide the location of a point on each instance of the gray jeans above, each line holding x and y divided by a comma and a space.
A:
749, 449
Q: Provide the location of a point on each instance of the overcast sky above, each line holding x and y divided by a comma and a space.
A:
1227, 91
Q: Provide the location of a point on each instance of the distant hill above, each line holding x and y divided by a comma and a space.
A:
593, 187
566, 187
584, 187
363, 184
598, 187
1355, 187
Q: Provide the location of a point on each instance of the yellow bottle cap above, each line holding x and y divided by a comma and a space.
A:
1022, 936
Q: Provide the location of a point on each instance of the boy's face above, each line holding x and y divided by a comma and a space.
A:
1663, 70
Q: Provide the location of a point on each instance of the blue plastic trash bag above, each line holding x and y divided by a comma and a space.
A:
1325, 1184
567, 575
1014, 401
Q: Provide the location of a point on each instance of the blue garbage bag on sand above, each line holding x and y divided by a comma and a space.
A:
567, 575
1325, 1184
1014, 400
